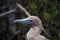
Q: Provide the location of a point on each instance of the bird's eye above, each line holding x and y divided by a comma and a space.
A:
30, 20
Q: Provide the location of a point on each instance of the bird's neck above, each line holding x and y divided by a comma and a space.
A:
34, 31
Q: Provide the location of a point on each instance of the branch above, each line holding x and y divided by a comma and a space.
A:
14, 35
23, 9
3, 7
5, 13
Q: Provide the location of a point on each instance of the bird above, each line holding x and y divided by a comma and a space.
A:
34, 32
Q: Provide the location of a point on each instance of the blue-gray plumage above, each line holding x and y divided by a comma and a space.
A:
36, 28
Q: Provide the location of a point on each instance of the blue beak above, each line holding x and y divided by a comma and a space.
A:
26, 20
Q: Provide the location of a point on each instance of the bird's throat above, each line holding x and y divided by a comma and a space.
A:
34, 31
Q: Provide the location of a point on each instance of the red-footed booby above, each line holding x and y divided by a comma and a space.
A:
36, 28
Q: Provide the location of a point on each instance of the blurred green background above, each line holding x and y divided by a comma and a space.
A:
47, 10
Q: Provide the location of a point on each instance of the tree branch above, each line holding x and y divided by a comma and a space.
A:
3, 7
23, 9
8, 12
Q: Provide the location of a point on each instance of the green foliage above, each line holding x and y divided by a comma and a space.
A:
47, 17
32, 8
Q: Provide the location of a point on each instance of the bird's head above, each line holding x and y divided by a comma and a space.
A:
30, 20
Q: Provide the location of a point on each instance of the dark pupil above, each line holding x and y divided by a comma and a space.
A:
30, 20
